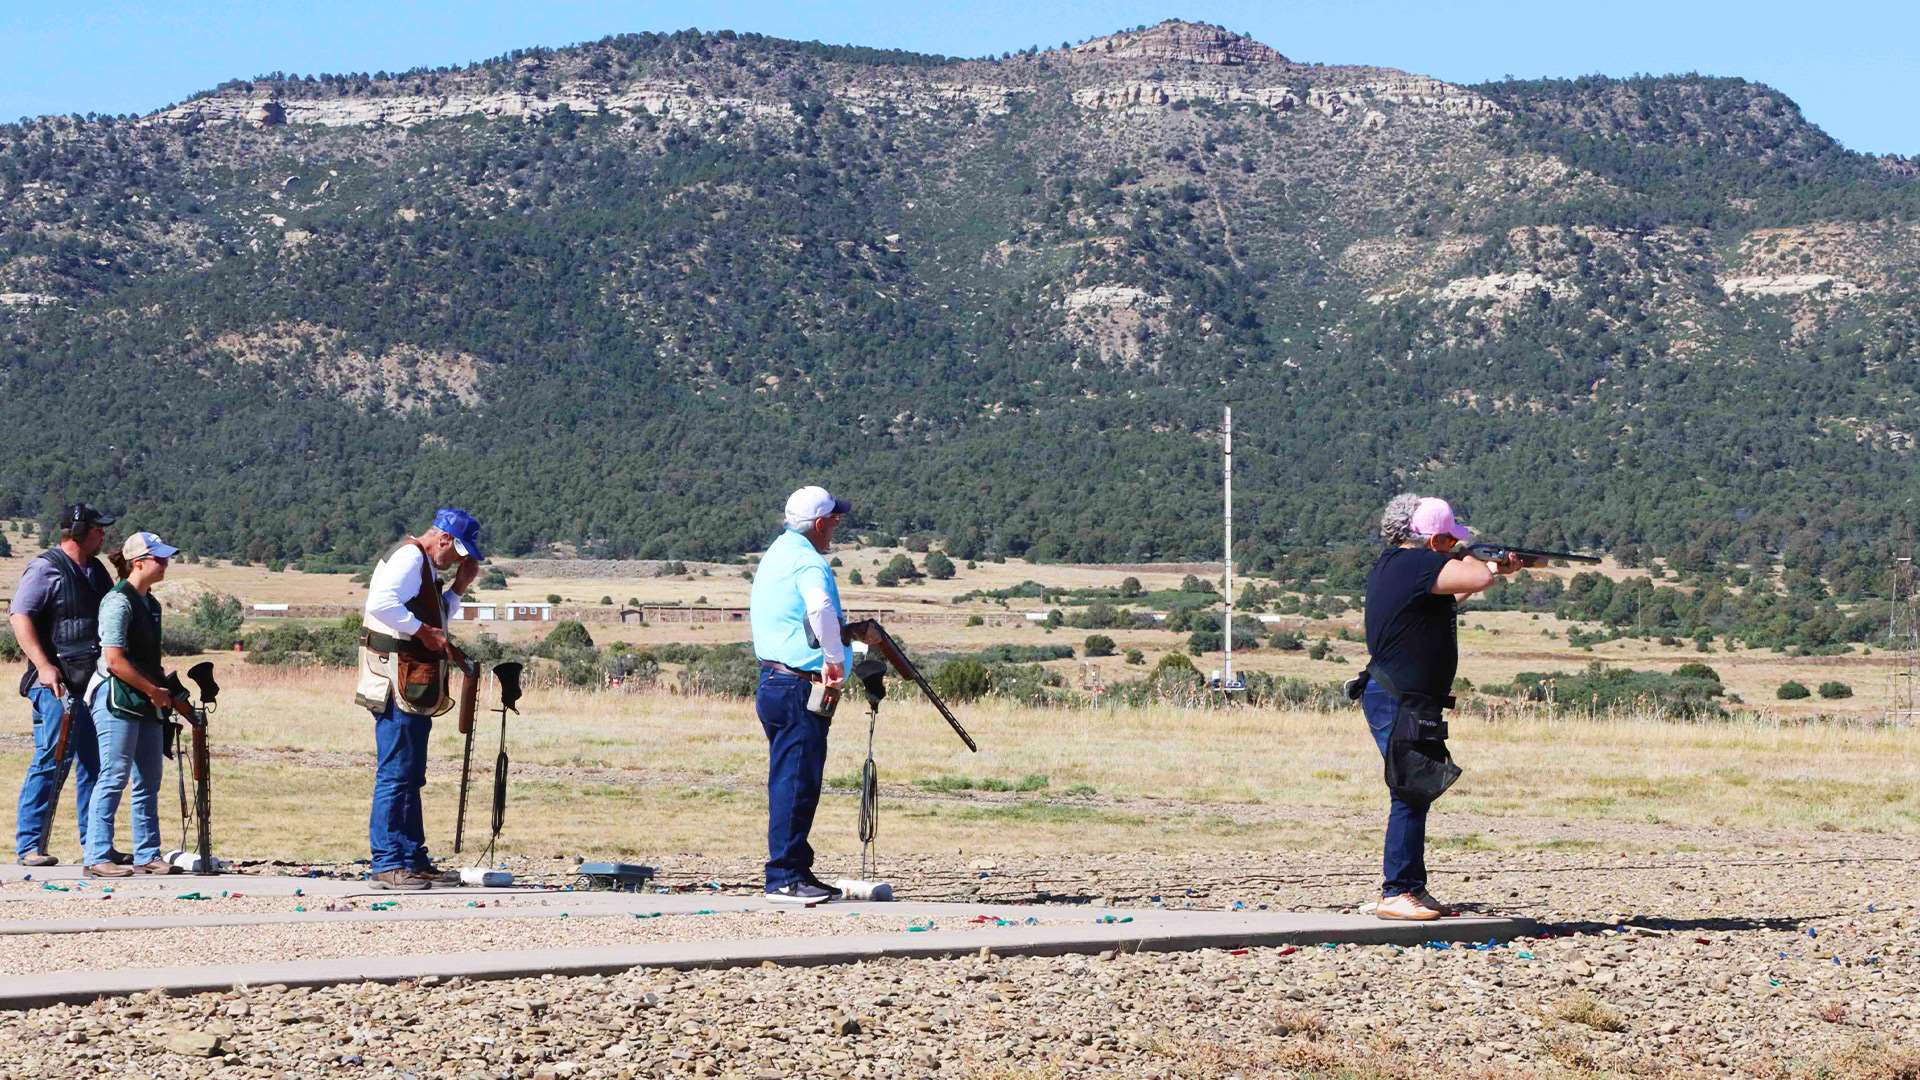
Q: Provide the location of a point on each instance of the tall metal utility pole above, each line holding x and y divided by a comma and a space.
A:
1903, 640
1226, 435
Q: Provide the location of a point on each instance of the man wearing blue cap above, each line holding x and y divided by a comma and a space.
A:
796, 634
403, 682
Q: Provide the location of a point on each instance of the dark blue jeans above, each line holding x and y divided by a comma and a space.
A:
796, 763
40, 789
396, 832
1404, 866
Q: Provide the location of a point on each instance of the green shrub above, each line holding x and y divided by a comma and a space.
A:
1833, 690
727, 671
10, 647
1099, 645
939, 567
1028, 684
1022, 654
185, 640
1286, 641
293, 645
1135, 656
964, 679
217, 619
1603, 689
1694, 669
566, 634
1792, 691
1201, 642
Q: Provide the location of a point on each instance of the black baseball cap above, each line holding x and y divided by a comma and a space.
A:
78, 514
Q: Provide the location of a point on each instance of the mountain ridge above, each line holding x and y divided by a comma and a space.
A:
657, 260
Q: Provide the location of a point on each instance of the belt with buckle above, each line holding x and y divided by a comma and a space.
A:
781, 669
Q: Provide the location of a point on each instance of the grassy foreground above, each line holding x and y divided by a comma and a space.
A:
651, 773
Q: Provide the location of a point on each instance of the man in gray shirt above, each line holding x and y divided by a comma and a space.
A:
55, 618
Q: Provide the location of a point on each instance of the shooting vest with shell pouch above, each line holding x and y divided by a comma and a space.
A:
398, 668
143, 652
69, 627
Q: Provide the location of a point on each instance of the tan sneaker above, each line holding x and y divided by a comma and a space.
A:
38, 858
107, 869
1425, 899
1404, 908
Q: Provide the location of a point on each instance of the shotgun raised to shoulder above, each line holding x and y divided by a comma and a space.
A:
1528, 556
876, 637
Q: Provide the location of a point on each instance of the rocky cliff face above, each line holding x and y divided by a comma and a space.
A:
1179, 42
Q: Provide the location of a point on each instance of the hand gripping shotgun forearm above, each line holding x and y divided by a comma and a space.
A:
469, 698
876, 637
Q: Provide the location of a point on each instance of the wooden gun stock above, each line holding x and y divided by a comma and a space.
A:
66, 732
876, 636
469, 700
469, 685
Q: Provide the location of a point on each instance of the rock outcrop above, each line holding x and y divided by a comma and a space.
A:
1175, 41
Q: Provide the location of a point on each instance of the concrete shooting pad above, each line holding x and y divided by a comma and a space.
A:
700, 930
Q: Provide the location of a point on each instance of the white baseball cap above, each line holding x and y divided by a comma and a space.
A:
812, 503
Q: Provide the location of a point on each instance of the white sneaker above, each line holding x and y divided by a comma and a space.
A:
1404, 907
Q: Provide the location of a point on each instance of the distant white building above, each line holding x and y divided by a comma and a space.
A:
476, 613
529, 613
271, 609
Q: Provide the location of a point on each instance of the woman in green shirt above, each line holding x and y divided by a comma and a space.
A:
128, 697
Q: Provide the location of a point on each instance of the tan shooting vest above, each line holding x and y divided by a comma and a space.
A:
390, 666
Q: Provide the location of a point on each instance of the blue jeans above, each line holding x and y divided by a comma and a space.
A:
40, 790
396, 832
127, 747
796, 764
1404, 866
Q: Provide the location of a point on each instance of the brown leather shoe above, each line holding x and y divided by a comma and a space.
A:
399, 880
107, 869
38, 858
157, 866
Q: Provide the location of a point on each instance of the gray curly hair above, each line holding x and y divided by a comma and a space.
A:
1396, 521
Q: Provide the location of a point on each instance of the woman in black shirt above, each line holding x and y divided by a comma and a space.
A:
1412, 592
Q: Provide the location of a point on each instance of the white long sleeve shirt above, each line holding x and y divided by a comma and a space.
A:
396, 580
823, 618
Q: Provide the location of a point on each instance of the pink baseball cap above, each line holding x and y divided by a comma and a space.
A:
1433, 517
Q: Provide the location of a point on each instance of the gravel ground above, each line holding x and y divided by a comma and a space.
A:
1765, 955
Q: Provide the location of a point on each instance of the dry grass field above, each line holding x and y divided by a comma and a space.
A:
653, 774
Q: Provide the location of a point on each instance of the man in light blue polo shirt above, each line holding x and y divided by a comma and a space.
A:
796, 634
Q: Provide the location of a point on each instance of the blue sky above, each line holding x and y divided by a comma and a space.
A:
1849, 63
